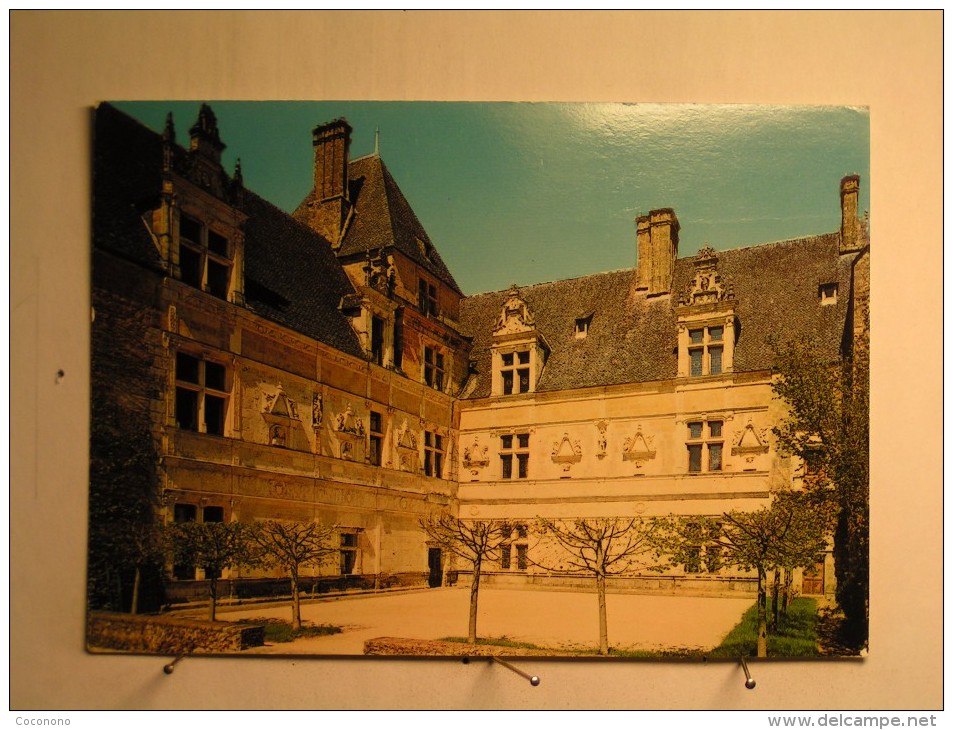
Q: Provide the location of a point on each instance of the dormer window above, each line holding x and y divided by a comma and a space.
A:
582, 327
515, 372
519, 350
706, 350
205, 258
827, 294
433, 368
427, 298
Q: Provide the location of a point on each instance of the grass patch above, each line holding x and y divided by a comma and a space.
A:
796, 636
281, 632
508, 643
496, 641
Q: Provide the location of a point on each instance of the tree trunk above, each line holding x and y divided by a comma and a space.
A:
603, 623
295, 602
776, 601
212, 597
134, 608
762, 613
474, 597
788, 585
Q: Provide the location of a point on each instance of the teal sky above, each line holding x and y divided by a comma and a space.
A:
525, 193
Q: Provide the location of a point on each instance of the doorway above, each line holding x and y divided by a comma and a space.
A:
434, 560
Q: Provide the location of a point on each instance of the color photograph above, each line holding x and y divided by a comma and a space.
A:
479, 379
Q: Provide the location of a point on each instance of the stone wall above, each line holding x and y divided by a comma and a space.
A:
162, 635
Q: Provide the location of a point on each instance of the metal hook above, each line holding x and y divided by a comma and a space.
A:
533, 679
170, 667
749, 682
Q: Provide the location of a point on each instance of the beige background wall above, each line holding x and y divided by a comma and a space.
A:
62, 63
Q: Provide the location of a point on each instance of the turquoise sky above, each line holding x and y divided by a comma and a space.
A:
525, 193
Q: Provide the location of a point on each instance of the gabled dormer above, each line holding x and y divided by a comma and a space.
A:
198, 225
706, 321
518, 349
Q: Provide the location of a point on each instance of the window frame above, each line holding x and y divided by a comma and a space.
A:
703, 347
515, 374
433, 454
200, 390
434, 368
705, 448
375, 438
514, 451
206, 257
428, 301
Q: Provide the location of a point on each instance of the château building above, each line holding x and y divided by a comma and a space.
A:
326, 366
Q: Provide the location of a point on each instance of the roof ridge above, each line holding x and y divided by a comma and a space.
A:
524, 287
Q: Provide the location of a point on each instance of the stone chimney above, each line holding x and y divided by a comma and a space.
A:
851, 233
331, 204
657, 235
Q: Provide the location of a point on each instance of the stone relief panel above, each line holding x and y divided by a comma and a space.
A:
349, 432
407, 456
566, 452
476, 457
749, 443
638, 448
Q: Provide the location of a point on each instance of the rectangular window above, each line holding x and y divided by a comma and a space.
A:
377, 340
696, 356
706, 351
695, 458
522, 554
515, 372
375, 439
348, 552
433, 368
433, 454
514, 450
205, 260
827, 293
505, 556
427, 298
201, 398
213, 514
714, 457
693, 550
698, 444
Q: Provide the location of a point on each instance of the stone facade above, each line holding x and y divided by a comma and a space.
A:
326, 366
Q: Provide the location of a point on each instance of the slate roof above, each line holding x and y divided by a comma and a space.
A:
633, 338
292, 276
383, 218
127, 164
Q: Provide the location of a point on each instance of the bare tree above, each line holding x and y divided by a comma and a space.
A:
790, 532
472, 540
292, 545
214, 546
599, 547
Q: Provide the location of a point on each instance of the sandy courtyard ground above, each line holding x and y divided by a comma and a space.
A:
553, 619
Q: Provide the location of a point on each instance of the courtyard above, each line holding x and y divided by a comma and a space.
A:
559, 620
